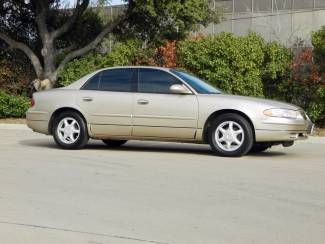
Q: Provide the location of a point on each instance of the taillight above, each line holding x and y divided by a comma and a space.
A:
32, 103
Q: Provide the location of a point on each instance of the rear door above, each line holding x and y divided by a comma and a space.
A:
158, 112
107, 99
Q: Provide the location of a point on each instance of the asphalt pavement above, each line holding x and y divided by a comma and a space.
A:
152, 192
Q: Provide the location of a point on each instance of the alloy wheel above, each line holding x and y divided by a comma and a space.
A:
68, 130
229, 136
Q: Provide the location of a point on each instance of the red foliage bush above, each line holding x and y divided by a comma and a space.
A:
303, 68
164, 56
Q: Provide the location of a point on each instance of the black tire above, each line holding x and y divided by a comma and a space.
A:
83, 137
260, 147
114, 143
246, 137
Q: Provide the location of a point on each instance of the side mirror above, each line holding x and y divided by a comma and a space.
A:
179, 89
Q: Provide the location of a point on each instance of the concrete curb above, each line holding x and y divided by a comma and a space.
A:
311, 139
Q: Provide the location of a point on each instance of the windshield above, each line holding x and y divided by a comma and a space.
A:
197, 84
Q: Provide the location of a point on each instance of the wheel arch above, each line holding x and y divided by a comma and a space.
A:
61, 110
217, 113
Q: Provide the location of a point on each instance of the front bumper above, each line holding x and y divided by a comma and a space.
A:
280, 129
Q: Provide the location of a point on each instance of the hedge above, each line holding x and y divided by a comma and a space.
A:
13, 106
237, 65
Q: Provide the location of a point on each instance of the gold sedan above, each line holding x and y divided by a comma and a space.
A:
152, 103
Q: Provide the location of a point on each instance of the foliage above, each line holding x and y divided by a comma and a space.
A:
226, 61
156, 21
164, 55
121, 54
84, 30
127, 53
14, 75
318, 41
13, 106
305, 88
276, 69
145, 56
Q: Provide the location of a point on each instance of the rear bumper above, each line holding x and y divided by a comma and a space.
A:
38, 121
38, 126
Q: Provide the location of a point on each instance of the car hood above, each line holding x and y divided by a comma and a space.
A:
253, 100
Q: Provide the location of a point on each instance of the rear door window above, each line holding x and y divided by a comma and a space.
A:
118, 80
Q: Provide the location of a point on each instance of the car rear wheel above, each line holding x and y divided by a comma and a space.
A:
231, 135
114, 143
70, 131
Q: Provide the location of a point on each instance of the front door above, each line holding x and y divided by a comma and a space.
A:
107, 100
158, 112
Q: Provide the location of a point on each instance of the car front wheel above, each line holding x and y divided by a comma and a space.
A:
231, 135
70, 131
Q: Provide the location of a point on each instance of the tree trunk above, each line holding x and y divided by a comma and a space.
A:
47, 71
41, 85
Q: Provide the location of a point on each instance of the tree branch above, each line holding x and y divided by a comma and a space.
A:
90, 46
79, 9
42, 8
65, 49
27, 50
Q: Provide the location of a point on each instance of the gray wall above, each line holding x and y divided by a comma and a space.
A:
283, 20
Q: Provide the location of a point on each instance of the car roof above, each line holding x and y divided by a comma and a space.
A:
135, 67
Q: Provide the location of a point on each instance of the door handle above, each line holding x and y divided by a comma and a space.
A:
143, 101
87, 99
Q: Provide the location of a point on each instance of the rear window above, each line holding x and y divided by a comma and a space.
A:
119, 80
92, 83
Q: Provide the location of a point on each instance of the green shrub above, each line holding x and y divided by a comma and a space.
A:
318, 41
276, 69
121, 54
12, 106
317, 107
226, 61
78, 68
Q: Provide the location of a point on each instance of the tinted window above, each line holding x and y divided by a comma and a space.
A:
155, 81
92, 83
119, 80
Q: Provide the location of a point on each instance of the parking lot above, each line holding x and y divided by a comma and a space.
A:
150, 192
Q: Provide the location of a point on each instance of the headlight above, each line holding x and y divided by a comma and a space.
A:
283, 113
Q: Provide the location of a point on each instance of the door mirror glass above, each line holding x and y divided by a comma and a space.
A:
179, 89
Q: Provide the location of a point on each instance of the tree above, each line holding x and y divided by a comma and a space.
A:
156, 21
36, 28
